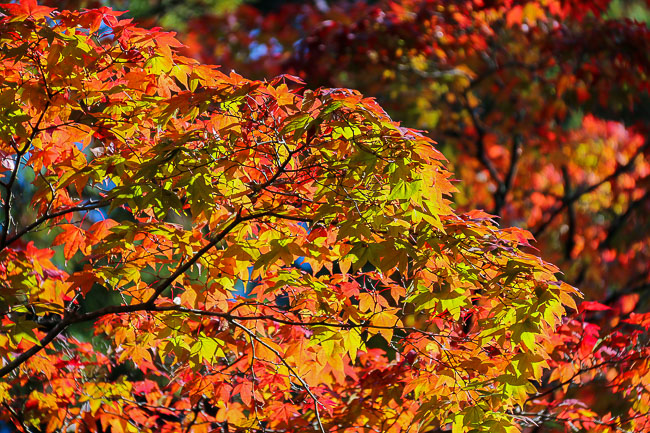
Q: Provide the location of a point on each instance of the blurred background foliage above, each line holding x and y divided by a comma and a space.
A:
553, 97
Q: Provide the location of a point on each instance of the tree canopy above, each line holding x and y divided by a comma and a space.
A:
186, 249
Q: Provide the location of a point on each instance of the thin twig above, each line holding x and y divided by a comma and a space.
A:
289, 367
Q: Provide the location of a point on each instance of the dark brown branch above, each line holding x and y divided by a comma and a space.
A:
167, 282
621, 219
54, 332
290, 217
14, 175
505, 187
148, 305
503, 67
17, 417
569, 244
196, 410
575, 196
614, 296
480, 143
49, 216
576, 374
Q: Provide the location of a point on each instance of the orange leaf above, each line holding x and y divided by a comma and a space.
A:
73, 239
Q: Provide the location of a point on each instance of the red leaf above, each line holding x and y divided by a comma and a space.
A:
592, 306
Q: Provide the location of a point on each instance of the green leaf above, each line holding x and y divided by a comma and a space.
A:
405, 190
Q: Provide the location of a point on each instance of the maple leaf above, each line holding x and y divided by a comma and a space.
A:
73, 239
266, 257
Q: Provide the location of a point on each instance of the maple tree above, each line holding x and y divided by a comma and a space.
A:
165, 184
541, 107
276, 259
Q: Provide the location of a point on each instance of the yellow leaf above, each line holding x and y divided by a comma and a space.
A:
383, 323
457, 426
352, 342
366, 302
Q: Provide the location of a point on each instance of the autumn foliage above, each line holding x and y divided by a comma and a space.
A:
541, 108
185, 249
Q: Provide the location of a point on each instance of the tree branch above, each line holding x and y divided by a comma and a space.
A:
17, 361
14, 175
570, 240
148, 305
49, 216
480, 143
575, 196
504, 187
620, 220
